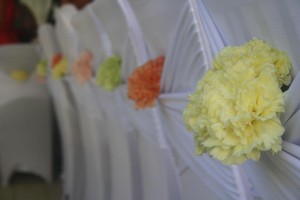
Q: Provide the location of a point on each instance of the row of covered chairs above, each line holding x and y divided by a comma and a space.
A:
113, 151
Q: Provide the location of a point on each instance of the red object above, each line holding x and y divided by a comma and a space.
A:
7, 33
56, 59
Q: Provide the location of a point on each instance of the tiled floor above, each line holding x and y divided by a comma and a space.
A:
29, 187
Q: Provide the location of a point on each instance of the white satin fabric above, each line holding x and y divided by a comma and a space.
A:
73, 169
274, 21
92, 178
188, 53
127, 155
149, 154
106, 152
25, 117
274, 176
157, 176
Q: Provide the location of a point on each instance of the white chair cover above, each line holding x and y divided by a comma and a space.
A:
121, 34
156, 167
274, 176
95, 179
95, 143
73, 164
25, 117
95, 147
125, 176
26, 55
91, 35
156, 33
118, 161
183, 37
141, 150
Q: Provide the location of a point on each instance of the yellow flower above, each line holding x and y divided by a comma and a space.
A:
257, 54
19, 75
234, 112
283, 65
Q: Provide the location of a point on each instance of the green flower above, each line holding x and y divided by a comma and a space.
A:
109, 73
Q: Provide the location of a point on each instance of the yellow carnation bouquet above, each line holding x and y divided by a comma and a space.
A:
234, 112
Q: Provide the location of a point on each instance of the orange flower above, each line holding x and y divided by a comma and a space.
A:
144, 83
82, 68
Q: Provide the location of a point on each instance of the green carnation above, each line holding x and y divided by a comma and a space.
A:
109, 73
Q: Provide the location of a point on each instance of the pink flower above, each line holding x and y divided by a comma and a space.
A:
82, 68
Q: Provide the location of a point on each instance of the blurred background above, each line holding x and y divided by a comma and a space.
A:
19, 19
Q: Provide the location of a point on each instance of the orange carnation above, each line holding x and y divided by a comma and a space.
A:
144, 83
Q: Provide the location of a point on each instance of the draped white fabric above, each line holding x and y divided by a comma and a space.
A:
25, 130
273, 177
68, 123
113, 151
92, 180
93, 130
274, 21
118, 166
159, 179
188, 54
